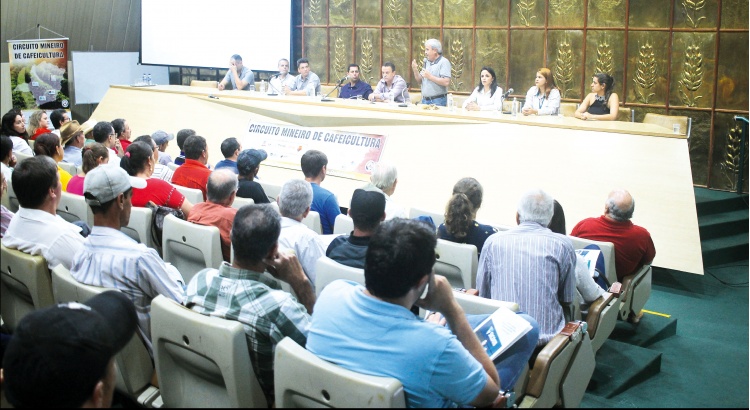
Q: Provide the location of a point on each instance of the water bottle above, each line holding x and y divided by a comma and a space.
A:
148, 79
143, 79
263, 86
514, 107
450, 102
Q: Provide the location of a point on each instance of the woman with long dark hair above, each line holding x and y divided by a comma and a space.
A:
49, 144
14, 126
601, 104
487, 96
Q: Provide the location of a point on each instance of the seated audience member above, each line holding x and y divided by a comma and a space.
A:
633, 245
161, 171
532, 266
37, 229
104, 134
161, 139
194, 172
460, 225
139, 162
367, 211
67, 351
383, 179
587, 289
242, 292
230, 149
294, 204
94, 154
72, 138
88, 130
38, 124
7, 158
182, 135
112, 259
315, 165
355, 87
49, 145
217, 210
58, 118
248, 165
14, 126
370, 329
5, 214
122, 132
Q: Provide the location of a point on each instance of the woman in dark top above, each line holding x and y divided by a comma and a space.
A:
460, 213
248, 163
602, 104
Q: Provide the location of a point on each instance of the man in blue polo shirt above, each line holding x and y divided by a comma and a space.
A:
315, 165
355, 87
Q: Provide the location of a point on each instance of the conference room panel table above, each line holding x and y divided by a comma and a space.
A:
578, 162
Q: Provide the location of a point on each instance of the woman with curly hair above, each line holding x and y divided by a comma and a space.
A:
460, 213
38, 124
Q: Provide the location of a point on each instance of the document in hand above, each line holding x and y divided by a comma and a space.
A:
590, 256
499, 331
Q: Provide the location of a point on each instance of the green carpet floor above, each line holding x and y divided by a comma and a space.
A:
705, 364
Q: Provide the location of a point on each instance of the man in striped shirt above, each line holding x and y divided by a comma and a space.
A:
111, 259
532, 266
241, 291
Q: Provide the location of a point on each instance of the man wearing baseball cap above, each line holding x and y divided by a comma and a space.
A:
71, 137
367, 210
162, 138
111, 259
63, 356
248, 165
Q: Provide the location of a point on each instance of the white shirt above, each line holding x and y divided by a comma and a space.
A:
113, 158
586, 287
111, 259
279, 84
7, 171
162, 172
38, 232
485, 101
304, 241
20, 145
546, 106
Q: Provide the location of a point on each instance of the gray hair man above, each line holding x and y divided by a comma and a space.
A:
531, 265
435, 75
217, 210
294, 205
383, 179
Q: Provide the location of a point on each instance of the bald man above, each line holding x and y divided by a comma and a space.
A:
633, 245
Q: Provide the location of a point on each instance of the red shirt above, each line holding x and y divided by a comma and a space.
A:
633, 245
38, 132
220, 216
125, 144
192, 174
158, 191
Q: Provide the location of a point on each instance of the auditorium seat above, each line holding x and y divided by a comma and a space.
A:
562, 371
608, 252
327, 270
195, 196
25, 285
457, 262
20, 157
602, 318
636, 289
201, 361
139, 226
12, 199
133, 367
172, 166
70, 168
343, 225
190, 247
272, 190
312, 221
205, 84
437, 217
668, 121
240, 202
303, 380
73, 208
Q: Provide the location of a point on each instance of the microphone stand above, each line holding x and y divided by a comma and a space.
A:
326, 99
275, 91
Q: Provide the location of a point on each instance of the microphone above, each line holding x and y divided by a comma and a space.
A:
274, 76
343, 80
507, 93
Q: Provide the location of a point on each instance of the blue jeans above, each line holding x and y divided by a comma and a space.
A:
442, 101
511, 363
